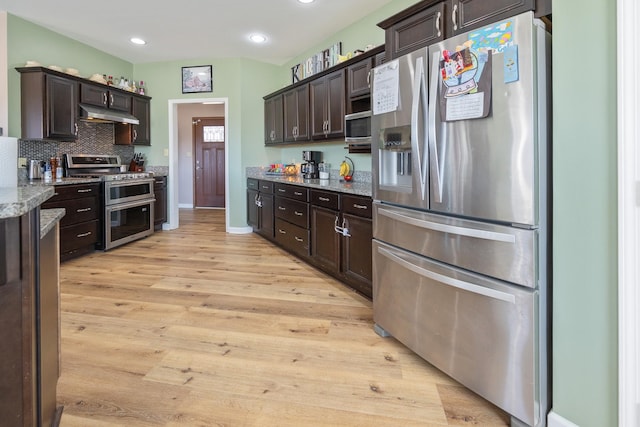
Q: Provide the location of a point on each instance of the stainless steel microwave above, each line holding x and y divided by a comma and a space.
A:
357, 127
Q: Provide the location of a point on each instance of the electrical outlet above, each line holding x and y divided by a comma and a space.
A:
166, 152
22, 162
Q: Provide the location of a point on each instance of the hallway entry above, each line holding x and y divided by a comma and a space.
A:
209, 173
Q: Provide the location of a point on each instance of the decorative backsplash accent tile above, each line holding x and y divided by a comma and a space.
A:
93, 138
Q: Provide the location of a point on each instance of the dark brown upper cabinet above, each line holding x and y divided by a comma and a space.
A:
100, 95
467, 15
414, 28
328, 106
273, 120
49, 105
296, 114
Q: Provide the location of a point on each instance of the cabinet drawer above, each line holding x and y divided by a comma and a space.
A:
325, 199
292, 237
253, 184
79, 235
77, 210
356, 205
293, 211
266, 187
292, 192
64, 192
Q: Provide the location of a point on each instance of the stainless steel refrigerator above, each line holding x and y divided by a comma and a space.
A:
461, 185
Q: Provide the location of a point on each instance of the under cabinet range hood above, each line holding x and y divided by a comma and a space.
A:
99, 114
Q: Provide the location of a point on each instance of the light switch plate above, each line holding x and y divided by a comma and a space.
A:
22, 162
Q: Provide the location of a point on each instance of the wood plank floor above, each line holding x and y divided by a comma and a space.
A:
196, 327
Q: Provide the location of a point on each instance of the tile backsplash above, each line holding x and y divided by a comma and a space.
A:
93, 138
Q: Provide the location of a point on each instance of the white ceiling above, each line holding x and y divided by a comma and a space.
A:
189, 29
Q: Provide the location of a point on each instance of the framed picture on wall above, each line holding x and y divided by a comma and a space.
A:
197, 79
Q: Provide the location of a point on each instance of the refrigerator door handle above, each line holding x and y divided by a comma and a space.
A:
433, 147
460, 284
450, 229
419, 96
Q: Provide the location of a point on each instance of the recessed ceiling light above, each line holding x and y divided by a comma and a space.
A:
257, 38
306, 1
137, 40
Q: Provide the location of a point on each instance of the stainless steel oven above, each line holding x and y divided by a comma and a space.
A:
129, 211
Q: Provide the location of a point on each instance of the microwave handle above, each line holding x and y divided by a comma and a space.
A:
357, 139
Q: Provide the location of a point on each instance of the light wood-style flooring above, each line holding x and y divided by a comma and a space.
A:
196, 327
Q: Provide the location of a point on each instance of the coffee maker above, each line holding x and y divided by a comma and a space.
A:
309, 169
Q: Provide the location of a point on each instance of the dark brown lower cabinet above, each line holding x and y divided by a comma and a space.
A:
80, 227
160, 206
341, 239
330, 230
356, 253
260, 207
29, 315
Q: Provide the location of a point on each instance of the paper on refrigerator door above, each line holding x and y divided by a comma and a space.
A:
386, 86
8, 162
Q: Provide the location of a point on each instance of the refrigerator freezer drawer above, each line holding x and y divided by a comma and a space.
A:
479, 331
506, 253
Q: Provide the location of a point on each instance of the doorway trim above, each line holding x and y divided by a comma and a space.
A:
172, 199
628, 15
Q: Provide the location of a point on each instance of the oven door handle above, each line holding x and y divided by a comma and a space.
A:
126, 205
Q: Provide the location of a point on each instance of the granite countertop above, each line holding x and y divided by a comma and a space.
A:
17, 201
63, 181
358, 187
49, 218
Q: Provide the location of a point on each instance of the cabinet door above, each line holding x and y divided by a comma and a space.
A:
120, 101
97, 95
62, 108
466, 15
296, 114
325, 242
160, 207
358, 78
356, 253
419, 30
266, 216
336, 101
273, 120
141, 109
318, 96
252, 209
327, 106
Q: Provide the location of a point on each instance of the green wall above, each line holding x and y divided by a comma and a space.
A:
29, 42
585, 210
584, 167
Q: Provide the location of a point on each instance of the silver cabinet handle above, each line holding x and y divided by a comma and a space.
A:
437, 28
83, 210
111, 100
135, 135
76, 129
104, 98
357, 206
299, 239
88, 233
85, 190
280, 208
454, 16
282, 190
281, 231
297, 193
324, 199
298, 213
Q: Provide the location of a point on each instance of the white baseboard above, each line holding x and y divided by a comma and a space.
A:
185, 205
555, 420
239, 230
